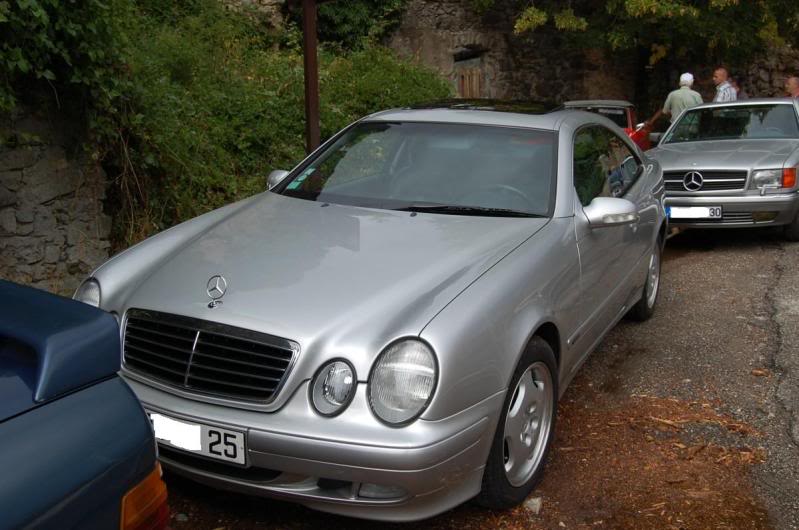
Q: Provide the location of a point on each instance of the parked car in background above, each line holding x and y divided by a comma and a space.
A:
733, 165
386, 332
76, 449
620, 112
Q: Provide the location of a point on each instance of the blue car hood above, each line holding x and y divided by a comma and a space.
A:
50, 346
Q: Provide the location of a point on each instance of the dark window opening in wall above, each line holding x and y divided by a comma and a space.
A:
469, 71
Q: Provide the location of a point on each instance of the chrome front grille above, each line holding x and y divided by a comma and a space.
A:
713, 180
206, 357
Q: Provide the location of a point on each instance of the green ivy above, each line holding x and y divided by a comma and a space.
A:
352, 24
74, 47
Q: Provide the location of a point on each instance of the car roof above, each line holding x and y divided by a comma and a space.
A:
598, 103
746, 102
531, 114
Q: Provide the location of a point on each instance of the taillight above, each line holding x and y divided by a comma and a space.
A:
144, 506
789, 177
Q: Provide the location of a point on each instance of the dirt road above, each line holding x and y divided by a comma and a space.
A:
690, 420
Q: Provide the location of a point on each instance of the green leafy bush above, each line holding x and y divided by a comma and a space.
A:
217, 106
354, 24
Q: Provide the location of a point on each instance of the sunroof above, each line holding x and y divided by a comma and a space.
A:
495, 105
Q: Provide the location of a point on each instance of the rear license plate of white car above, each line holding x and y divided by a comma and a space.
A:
694, 212
205, 440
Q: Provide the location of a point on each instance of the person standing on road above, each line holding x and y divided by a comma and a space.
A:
740, 93
678, 100
792, 87
724, 90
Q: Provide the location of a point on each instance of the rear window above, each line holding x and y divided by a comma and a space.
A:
736, 123
614, 114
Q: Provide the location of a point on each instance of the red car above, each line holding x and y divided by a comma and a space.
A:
622, 113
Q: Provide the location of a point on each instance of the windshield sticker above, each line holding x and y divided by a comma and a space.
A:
297, 182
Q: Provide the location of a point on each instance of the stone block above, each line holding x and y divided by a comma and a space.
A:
31, 253
19, 158
50, 178
24, 229
44, 222
52, 254
25, 213
8, 221
7, 197
11, 179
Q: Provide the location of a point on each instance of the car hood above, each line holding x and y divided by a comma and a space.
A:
329, 276
724, 154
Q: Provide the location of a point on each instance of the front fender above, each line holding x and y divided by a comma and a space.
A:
480, 336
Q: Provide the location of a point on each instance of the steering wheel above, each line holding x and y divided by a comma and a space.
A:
505, 188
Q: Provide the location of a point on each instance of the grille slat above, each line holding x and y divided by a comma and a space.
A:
206, 358
159, 367
180, 362
187, 351
203, 342
201, 354
224, 383
197, 365
162, 333
713, 180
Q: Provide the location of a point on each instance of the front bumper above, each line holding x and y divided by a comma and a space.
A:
331, 464
739, 210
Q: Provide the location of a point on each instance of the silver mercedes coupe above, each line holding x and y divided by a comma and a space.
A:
733, 165
386, 331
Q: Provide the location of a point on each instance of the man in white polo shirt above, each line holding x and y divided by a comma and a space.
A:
679, 100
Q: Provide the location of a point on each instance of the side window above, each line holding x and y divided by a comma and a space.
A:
624, 168
591, 164
603, 165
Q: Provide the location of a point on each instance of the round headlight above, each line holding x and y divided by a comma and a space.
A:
333, 388
402, 382
89, 292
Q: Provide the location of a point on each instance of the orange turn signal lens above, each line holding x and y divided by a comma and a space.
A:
789, 177
144, 506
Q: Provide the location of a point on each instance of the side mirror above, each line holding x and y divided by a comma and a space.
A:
275, 178
655, 137
610, 211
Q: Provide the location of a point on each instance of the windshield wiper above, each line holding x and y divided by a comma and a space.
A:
465, 210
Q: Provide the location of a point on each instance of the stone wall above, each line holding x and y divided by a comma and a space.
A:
452, 37
766, 76
53, 231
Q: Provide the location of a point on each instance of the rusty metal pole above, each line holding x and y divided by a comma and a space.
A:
311, 62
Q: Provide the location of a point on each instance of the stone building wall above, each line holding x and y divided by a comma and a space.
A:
457, 41
766, 76
53, 231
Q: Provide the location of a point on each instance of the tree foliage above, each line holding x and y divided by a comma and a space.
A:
731, 30
353, 24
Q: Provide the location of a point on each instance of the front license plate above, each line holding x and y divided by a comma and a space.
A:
694, 212
205, 440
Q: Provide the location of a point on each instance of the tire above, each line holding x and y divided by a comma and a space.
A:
645, 307
510, 474
792, 229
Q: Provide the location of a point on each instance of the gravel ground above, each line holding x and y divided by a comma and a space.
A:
690, 420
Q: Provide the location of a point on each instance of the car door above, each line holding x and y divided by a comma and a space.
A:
607, 255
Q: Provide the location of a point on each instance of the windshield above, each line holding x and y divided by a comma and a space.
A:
615, 114
735, 123
440, 168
